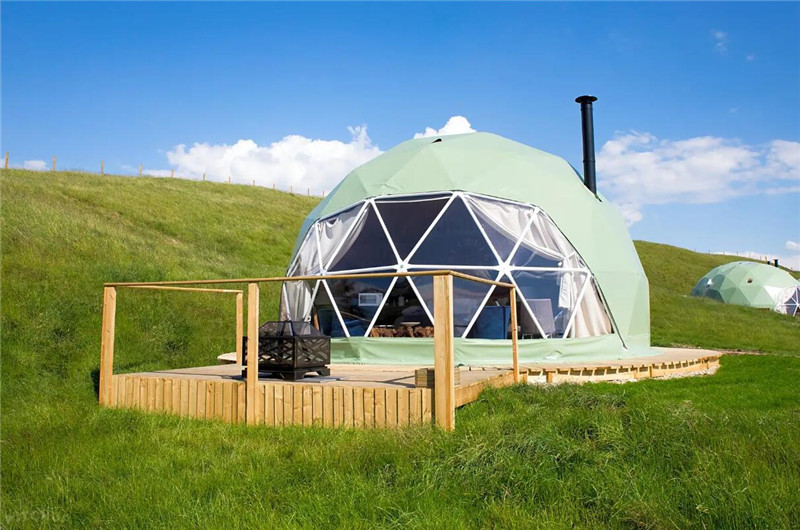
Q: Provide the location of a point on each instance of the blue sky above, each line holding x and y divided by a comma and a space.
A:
697, 123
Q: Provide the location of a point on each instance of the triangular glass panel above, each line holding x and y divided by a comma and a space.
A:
454, 240
334, 229
551, 296
531, 253
539, 246
494, 319
365, 247
297, 299
358, 300
407, 220
402, 315
307, 260
324, 314
590, 318
503, 222
468, 296
501, 240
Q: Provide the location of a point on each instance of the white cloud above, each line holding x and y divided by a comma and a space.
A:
750, 57
720, 41
636, 169
294, 161
793, 246
455, 125
35, 165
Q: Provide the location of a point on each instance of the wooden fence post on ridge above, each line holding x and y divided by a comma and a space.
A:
5, 165
140, 170
444, 375
252, 353
54, 162
107, 345
102, 167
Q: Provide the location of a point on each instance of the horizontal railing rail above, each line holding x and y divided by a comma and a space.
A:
441, 272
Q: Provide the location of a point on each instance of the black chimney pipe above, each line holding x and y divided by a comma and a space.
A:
587, 125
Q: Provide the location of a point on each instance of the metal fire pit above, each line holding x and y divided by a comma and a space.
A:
290, 350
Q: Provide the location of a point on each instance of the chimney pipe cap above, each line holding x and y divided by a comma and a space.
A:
585, 99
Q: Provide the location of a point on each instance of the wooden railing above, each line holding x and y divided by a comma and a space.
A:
444, 369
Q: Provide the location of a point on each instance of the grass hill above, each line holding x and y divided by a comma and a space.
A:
718, 451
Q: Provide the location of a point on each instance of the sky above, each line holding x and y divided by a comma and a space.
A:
697, 124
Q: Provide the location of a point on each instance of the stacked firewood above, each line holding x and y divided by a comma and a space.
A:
402, 331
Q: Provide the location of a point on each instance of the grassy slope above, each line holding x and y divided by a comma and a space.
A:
718, 451
677, 319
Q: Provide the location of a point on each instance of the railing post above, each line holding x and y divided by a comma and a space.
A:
514, 345
107, 346
444, 376
252, 352
239, 327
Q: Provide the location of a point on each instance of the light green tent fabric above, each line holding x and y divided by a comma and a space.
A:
495, 166
746, 283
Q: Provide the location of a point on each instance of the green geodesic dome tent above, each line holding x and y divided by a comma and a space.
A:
751, 284
483, 205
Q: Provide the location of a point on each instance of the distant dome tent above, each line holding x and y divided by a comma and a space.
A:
751, 284
486, 206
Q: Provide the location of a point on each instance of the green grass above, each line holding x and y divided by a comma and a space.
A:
718, 451
678, 319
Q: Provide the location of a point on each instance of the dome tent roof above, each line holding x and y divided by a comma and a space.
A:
746, 283
495, 166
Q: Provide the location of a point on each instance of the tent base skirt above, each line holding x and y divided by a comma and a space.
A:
482, 352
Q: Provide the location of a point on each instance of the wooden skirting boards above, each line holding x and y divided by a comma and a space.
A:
469, 393
276, 404
622, 372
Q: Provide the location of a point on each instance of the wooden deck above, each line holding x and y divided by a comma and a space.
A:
353, 396
364, 396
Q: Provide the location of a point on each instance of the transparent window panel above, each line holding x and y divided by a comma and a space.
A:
307, 260
501, 240
298, 299
358, 300
503, 222
552, 237
402, 313
538, 247
590, 318
333, 230
493, 320
549, 296
468, 296
531, 254
326, 315
365, 247
407, 220
454, 240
